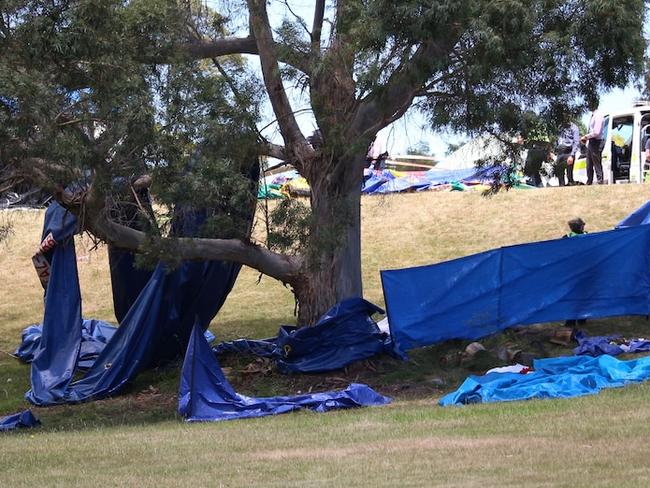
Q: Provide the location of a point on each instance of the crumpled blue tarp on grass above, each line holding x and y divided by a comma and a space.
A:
561, 377
599, 345
24, 419
344, 334
95, 334
206, 395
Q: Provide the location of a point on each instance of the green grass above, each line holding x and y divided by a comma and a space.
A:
137, 439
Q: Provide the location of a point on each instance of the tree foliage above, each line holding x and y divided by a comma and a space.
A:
102, 91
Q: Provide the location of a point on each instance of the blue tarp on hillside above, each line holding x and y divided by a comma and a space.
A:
24, 419
206, 395
640, 216
562, 377
344, 334
602, 274
386, 182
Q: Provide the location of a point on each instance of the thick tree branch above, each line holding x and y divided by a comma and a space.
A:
278, 266
92, 205
389, 102
204, 48
273, 150
317, 28
295, 142
209, 48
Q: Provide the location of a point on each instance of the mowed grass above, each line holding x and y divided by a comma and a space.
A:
137, 439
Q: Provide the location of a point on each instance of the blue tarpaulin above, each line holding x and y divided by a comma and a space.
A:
155, 329
612, 345
24, 419
206, 395
602, 274
562, 377
344, 334
640, 216
95, 334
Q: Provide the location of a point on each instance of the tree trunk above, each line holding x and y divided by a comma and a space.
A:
332, 270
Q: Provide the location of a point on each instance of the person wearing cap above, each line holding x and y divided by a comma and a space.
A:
577, 228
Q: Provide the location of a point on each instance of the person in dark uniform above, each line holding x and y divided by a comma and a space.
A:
568, 143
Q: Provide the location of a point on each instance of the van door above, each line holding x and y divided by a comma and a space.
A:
620, 145
644, 135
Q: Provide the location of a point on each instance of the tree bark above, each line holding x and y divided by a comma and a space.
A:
333, 270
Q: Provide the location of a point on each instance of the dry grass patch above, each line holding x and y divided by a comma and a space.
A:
137, 440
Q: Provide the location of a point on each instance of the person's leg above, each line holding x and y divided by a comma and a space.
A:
590, 163
560, 165
559, 171
569, 173
598, 162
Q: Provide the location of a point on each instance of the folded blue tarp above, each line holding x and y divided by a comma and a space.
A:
599, 345
344, 334
562, 377
206, 395
24, 419
602, 274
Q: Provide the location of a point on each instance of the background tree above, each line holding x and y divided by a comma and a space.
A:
100, 90
421, 148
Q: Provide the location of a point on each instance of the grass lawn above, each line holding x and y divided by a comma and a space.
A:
137, 439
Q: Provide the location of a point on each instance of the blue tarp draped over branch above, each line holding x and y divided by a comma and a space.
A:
602, 274
562, 377
155, 329
206, 395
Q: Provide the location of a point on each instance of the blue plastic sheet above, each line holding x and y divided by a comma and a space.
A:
206, 395
344, 334
602, 274
95, 334
641, 216
127, 280
599, 345
24, 419
562, 377
155, 329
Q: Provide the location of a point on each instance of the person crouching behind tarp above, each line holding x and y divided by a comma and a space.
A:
577, 228
568, 143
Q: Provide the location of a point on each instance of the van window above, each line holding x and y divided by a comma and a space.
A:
622, 133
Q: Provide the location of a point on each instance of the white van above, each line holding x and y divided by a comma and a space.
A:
625, 135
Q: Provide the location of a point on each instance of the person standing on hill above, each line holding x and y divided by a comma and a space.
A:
568, 143
594, 141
